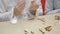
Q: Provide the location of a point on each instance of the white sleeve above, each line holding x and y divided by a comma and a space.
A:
49, 6
6, 5
54, 11
6, 15
49, 9
2, 6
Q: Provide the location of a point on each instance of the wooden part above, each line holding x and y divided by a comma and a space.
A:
31, 18
41, 19
48, 28
32, 32
59, 17
56, 17
26, 33
41, 31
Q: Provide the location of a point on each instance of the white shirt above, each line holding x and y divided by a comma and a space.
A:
6, 9
52, 6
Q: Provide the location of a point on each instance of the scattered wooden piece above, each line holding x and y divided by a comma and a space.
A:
31, 18
42, 31
42, 19
48, 28
32, 32
26, 31
57, 17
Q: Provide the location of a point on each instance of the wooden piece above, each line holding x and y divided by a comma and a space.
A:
48, 28
56, 17
31, 18
41, 31
41, 19
32, 32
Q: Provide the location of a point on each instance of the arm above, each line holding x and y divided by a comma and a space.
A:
4, 15
54, 11
49, 6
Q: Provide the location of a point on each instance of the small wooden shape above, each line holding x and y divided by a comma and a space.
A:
32, 32
31, 18
41, 19
59, 17
56, 17
41, 31
26, 33
48, 28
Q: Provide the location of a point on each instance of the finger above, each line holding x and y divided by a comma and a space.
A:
22, 6
20, 3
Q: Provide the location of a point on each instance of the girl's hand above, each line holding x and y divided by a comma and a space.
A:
19, 7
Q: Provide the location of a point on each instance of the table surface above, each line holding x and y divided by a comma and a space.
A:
31, 25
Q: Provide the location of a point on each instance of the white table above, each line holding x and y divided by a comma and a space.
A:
31, 25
